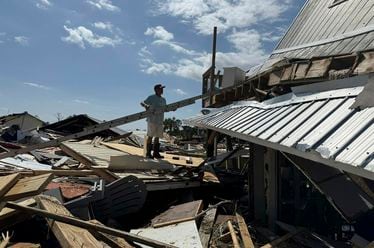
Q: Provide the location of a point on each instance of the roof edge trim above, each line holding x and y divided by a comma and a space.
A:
357, 32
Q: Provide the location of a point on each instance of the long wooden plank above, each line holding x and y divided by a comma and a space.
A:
244, 233
67, 235
7, 182
112, 241
84, 224
206, 227
28, 186
177, 214
233, 235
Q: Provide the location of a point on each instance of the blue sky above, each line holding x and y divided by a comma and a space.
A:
103, 57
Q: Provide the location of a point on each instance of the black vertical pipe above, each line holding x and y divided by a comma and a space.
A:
213, 68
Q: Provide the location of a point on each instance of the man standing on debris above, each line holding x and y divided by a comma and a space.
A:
155, 121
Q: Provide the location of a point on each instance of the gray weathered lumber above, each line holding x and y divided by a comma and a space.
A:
206, 227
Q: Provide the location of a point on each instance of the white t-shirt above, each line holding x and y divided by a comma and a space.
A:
155, 103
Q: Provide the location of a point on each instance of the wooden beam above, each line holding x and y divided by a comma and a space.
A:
233, 235
67, 235
244, 233
206, 227
7, 182
80, 223
28, 186
110, 240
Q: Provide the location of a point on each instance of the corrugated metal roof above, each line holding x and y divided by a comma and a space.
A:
318, 126
321, 30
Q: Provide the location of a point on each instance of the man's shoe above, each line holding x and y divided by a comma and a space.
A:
149, 151
156, 151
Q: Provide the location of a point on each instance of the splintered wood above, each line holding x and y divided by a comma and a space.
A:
177, 214
67, 235
7, 182
28, 186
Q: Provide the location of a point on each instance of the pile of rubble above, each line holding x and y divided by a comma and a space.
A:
101, 191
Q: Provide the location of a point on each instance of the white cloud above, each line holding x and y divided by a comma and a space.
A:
79, 101
82, 36
36, 85
245, 31
205, 14
247, 52
175, 47
1, 35
43, 4
103, 25
22, 40
180, 92
104, 5
159, 32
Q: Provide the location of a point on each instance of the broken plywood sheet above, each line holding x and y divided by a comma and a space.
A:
67, 235
183, 234
28, 186
7, 182
104, 157
90, 154
179, 213
172, 159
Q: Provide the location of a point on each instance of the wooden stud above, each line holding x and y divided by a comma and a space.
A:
233, 235
244, 233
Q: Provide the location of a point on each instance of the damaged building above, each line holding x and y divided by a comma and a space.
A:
288, 157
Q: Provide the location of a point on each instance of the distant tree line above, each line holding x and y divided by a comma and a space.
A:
174, 127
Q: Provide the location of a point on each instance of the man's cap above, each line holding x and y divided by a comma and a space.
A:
159, 86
